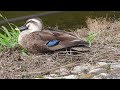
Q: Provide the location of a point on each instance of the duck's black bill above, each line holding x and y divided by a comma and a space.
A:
22, 28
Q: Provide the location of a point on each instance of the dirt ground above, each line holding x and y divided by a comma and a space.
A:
106, 47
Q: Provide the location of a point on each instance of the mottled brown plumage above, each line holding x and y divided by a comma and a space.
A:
35, 40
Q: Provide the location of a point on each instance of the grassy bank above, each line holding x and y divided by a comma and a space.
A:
105, 47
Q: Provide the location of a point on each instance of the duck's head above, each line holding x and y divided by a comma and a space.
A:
34, 24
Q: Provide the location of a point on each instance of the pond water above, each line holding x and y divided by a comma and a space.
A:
64, 20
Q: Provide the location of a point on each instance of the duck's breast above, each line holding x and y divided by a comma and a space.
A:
36, 42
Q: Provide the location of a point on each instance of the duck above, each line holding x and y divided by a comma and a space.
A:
36, 39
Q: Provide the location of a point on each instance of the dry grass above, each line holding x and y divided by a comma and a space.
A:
106, 47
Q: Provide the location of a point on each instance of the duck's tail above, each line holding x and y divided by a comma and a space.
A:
80, 43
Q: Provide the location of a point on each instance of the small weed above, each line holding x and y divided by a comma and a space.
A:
90, 38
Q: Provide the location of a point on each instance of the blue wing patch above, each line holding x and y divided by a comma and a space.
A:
52, 43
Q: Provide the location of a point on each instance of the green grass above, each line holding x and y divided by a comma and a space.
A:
91, 37
8, 39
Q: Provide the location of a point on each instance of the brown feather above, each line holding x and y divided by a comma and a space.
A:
36, 42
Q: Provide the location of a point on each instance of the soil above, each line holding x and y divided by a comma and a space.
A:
16, 65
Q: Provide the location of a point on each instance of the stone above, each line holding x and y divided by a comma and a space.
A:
97, 71
104, 76
115, 66
53, 75
48, 77
70, 77
102, 64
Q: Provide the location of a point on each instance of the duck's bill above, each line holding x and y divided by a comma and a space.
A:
22, 28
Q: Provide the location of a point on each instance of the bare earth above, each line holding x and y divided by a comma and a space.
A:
101, 62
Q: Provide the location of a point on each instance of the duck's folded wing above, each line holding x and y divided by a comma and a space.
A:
65, 40
69, 44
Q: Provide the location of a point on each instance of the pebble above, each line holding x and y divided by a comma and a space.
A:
115, 66
101, 76
70, 77
105, 76
53, 75
48, 77
83, 71
97, 71
102, 64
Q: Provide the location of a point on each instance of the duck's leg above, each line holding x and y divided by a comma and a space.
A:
69, 51
66, 51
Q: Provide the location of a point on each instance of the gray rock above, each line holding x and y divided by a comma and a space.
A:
105, 76
102, 64
51, 76
48, 77
97, 71
70, 77
115, 66
97, 77
101, 76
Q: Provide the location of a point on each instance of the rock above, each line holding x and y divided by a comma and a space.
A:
70, 77
96, 77
51, 76
102, 64
115, 66
80, 69
101, 76
97, 71
48, 77
104, 76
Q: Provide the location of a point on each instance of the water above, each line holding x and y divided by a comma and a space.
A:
65, 20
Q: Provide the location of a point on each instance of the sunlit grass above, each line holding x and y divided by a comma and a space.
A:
9, 37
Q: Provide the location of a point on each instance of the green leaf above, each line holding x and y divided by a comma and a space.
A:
90, 38
4, 42
6, 31
3, 36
